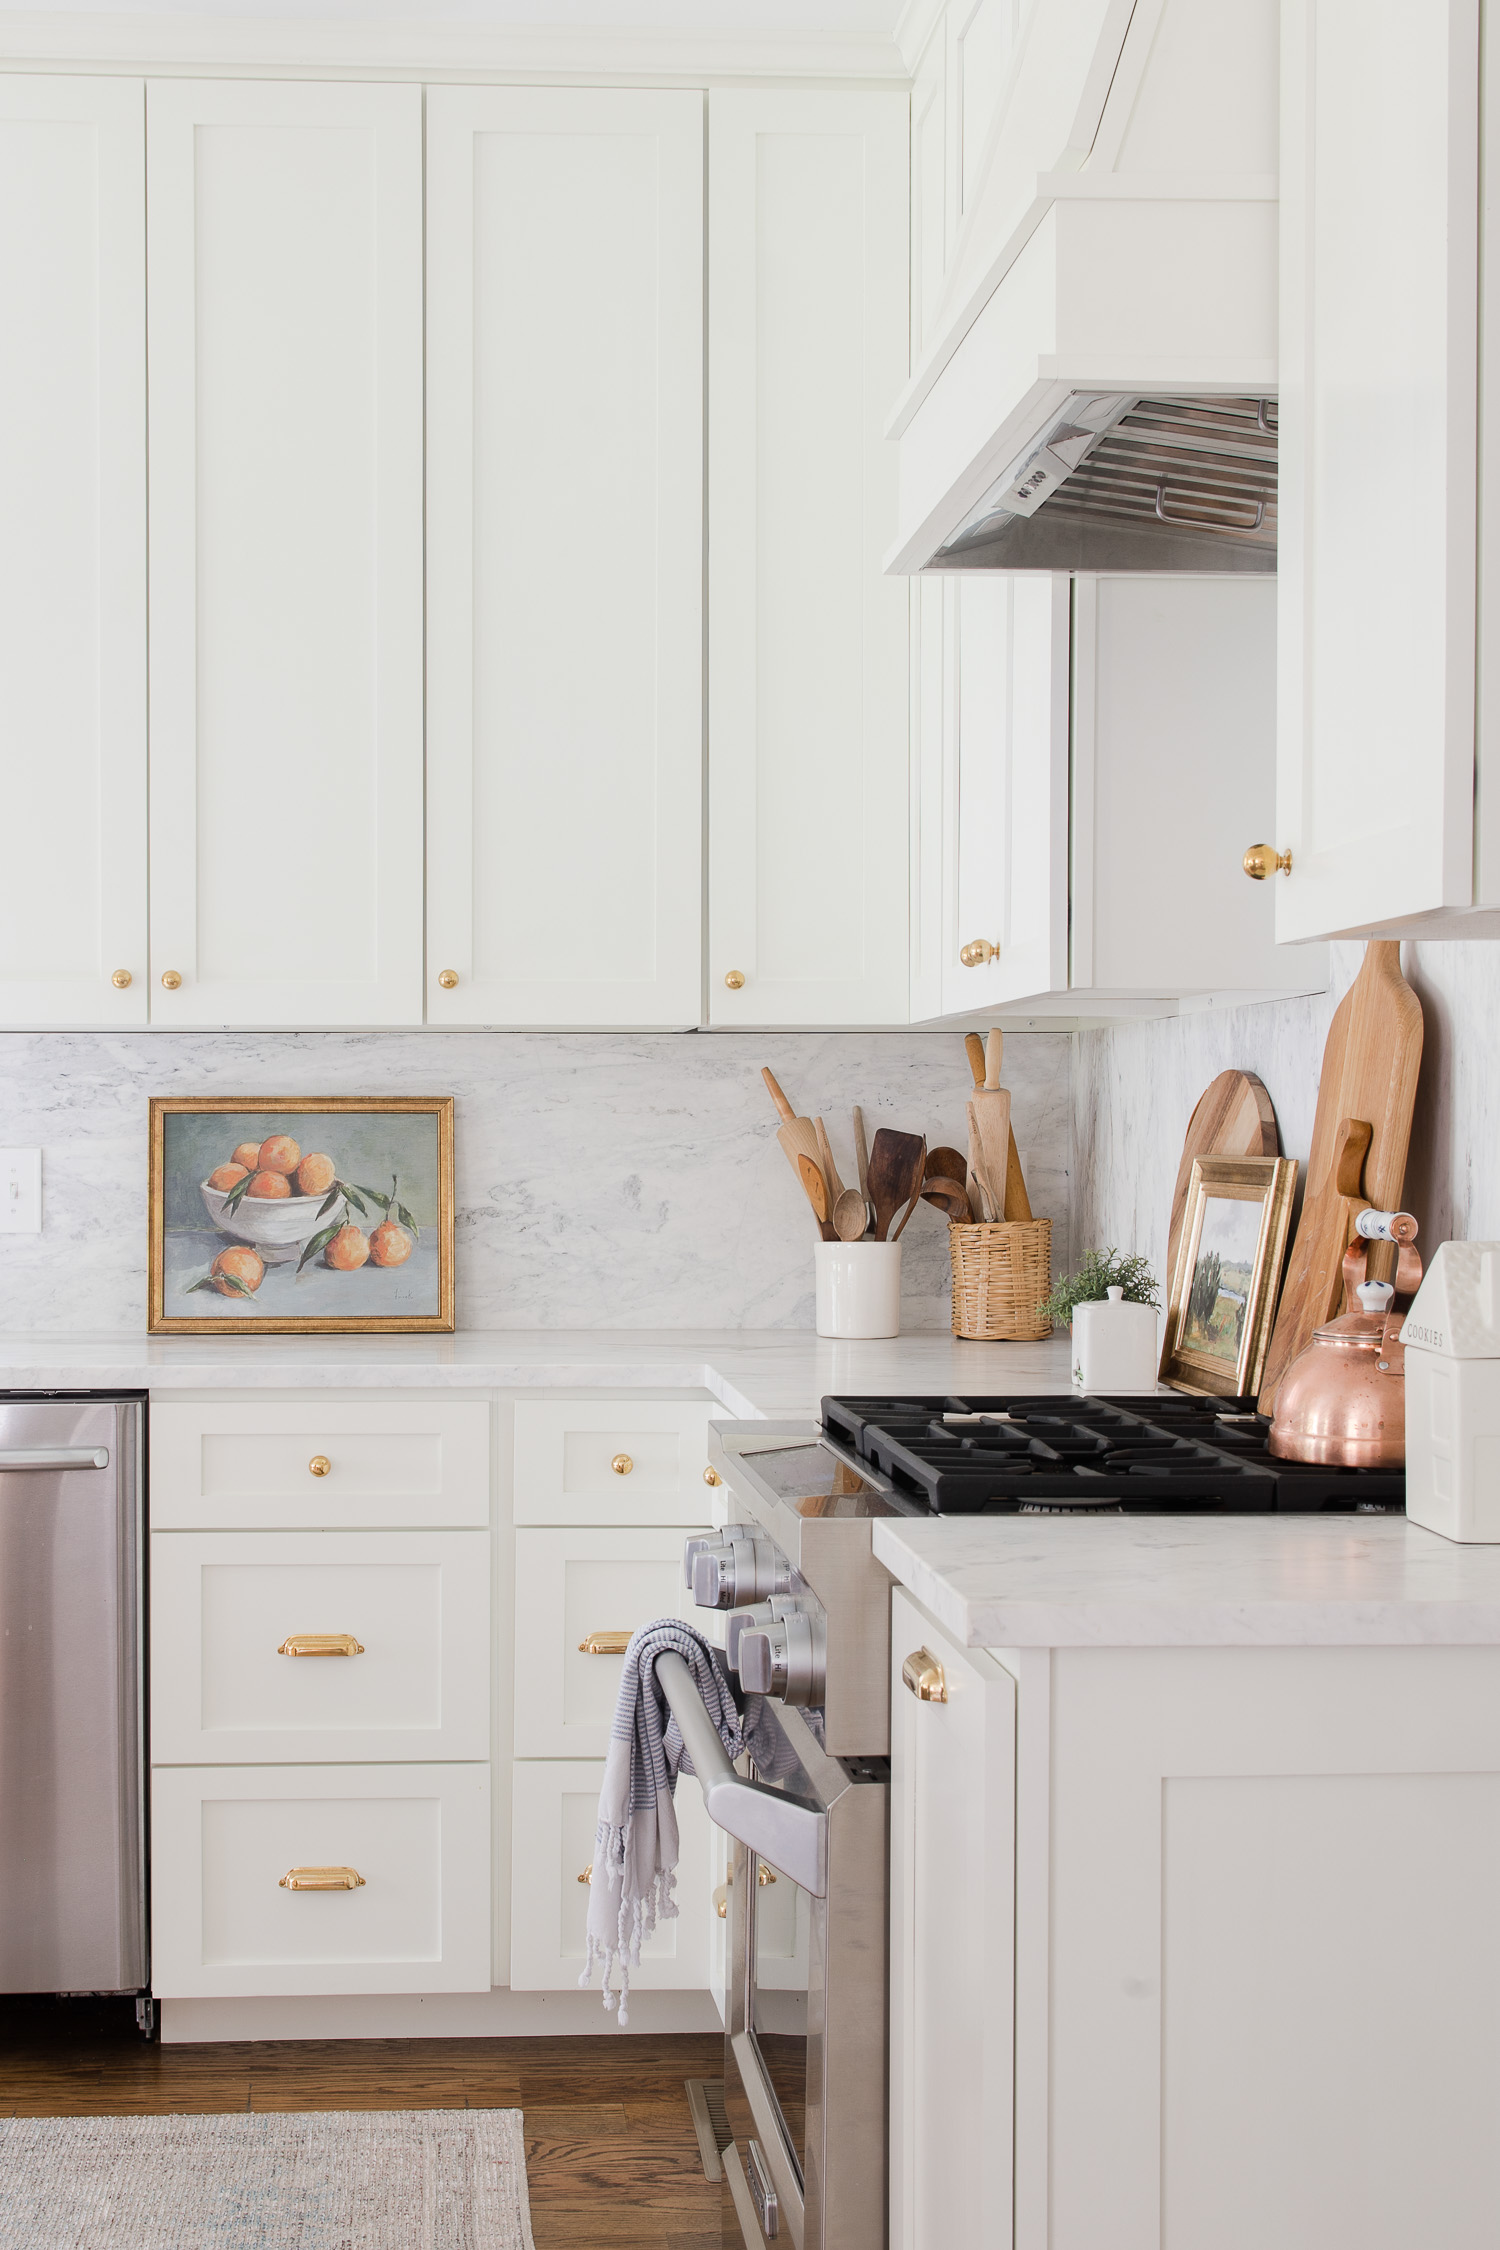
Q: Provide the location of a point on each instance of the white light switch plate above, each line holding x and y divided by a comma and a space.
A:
20, 1191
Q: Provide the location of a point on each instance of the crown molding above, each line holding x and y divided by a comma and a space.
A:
914, 27
36, 40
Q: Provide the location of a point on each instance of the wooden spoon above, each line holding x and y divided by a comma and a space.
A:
851, 1217
945, 1164
948, 1197
862, 1160
817, 1195
914, 1180
895, 1176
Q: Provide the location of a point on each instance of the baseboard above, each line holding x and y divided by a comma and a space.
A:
500, 2014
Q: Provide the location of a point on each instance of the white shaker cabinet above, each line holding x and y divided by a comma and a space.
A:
953, 1768
1089, 766
565, 555
1379, 470
807, 349
285, 313
73, 551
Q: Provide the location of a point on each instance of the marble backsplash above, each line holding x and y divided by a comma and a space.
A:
1134, 1088
603, 1180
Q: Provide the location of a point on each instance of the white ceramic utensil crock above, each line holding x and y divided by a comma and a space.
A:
1114, 1345
859, 1288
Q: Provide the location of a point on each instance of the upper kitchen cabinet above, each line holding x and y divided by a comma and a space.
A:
565, 555
285, 318
73, 551
807, 640
1089, 754
1381, 299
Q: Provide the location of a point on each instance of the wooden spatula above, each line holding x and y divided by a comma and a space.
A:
825, 1158
980, 1189
811, 1176
991, 1109
914, 1181
797, 1136
896, 1162
1017, 1201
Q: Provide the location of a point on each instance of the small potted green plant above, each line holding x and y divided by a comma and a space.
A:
1111, 1304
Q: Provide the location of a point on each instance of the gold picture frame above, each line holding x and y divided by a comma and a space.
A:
278, 1279
1222, 1295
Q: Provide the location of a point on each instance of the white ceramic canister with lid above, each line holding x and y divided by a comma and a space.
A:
1115, 1345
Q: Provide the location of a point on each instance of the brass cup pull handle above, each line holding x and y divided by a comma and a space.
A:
977, 952
622, 1464
711, 1476
1263, 859
721, 1902
321, 1879
604, 1644
321, 1644
923, 1675
319, 1465
588, 1874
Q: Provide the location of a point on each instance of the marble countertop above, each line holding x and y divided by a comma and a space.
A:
1237, 1582
752, 1372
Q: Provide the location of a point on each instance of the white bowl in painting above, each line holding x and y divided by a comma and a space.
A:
279, 1226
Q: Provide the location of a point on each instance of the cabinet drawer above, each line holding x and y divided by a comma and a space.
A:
570, 1584
250, 1467
556, 1811
223, 1838
224, 1603
565, 1458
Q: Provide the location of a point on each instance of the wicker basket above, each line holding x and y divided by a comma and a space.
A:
1001, 1273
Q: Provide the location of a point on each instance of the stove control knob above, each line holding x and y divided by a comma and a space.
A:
786, 1658
741, 1567
710, 1543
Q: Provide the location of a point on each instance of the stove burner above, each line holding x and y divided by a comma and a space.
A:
1143, 1455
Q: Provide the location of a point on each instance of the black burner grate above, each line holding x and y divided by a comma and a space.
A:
1050, 1454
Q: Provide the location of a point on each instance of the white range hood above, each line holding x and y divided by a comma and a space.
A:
1100, 390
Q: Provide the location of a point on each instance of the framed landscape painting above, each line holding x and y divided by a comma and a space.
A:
288, 1216
1222, 1296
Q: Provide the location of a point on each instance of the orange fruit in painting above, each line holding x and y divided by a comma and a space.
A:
241, 1263
247, 1156
279, 1154
315, 1175
269, 1185
390, 1245
348, 1250
227, 1176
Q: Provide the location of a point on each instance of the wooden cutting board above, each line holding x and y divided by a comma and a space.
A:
1234, 1118
1369, 1077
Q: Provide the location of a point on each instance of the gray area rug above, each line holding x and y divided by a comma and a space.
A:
405, 2179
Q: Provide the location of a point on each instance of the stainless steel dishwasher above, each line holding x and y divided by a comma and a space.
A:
72, 1827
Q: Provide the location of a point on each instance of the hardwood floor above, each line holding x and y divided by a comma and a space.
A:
611, 2156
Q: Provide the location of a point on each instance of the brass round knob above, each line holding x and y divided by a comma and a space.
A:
978, 950
622, 1464
735, 979
712, 1476
171, 979
120, 979
588, 1874
1261, 860
319, 1465
447, 978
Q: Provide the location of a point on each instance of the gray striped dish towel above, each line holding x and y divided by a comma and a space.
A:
635, 1845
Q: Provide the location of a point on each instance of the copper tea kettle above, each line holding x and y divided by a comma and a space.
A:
1342, 1402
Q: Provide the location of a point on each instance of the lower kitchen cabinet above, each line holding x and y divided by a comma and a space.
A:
320, 1645
226, 1919
952, 1942
1089, 768
555, 1811
579, 1595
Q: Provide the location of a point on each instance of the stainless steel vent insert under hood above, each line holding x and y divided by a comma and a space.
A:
1121, 483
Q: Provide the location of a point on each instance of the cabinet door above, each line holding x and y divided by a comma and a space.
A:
952, 1939
1174, 757
73, 550
613, 1462
993, 775
556, 1814
1376, 566
565, 552
807, 343
286, 553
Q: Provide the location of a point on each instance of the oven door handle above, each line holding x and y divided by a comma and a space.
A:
789, 1832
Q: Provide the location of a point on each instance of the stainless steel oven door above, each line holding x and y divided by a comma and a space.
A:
805, 2017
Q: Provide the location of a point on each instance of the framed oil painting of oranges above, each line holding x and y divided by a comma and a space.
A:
288, 1216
